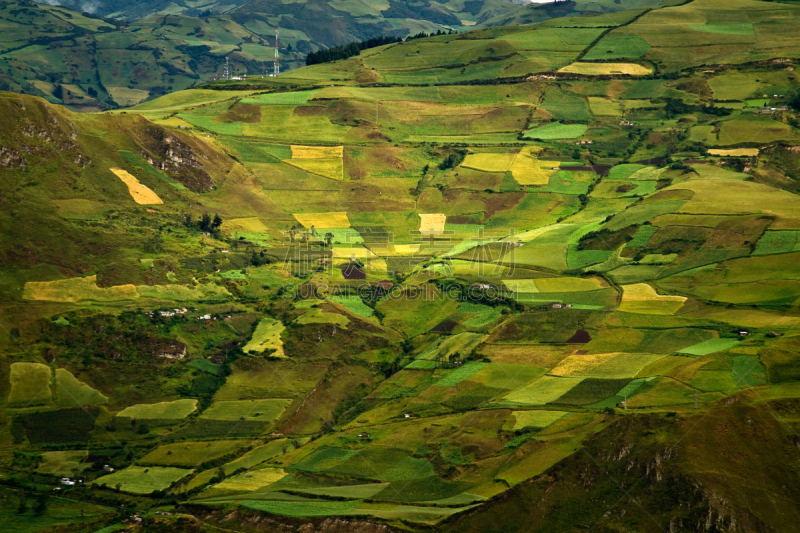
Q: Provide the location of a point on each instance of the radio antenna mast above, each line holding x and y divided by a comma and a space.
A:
227, 72
277, 67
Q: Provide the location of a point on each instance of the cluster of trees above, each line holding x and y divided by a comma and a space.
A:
422, 34
348, 50
39, 508
794, 102
206, 223
676, 107
453, 160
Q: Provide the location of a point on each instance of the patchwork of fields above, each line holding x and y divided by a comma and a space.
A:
391, 288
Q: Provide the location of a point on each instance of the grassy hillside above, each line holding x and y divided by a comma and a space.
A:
435, 286
647, 42
89, 62
538, 12
140, 9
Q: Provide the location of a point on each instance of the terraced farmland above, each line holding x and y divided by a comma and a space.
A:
488, 280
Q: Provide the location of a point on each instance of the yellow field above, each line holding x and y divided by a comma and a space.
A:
355, 252
644, 292
527, 169
376, 265
323, 220
327, 168
245, 225
141, 194
77, 290
432, 222
267, 336
317, 152
738, 152
406, 249
253, 480
391, 250
641, 298
489, 162
579, 365
604, 69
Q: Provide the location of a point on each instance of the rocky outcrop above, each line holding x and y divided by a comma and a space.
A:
175, 350
167, 152
37, 133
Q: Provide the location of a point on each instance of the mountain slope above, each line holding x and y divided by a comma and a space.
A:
537, 12
139, 9
92, 63
662, 40
89, 62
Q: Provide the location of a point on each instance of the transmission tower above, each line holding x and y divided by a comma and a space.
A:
226, 74
277, 67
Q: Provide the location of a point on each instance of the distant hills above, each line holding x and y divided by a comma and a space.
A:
98, 55
529, 13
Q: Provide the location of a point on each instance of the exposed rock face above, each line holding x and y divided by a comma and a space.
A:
175, 157
38, 133
176, 350
10, 159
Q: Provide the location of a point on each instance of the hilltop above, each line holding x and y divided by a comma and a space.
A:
524, 278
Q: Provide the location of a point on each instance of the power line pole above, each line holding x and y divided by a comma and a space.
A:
277, 66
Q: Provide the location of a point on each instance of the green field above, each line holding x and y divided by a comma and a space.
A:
191, 454
710, 346
261, 410
778, 242
74, 393
536, 419
545, 390
30, 384
556, 130
460, 374
66, 464
142, 480
354, 304
175, 410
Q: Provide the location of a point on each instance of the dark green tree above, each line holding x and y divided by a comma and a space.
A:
794, 103
205, 222
41, 504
